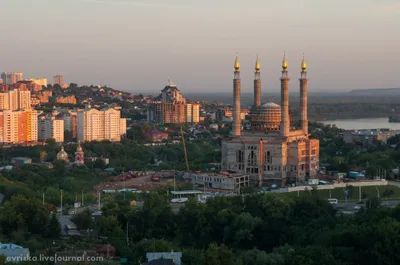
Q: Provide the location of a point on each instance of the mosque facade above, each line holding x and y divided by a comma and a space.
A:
272, 150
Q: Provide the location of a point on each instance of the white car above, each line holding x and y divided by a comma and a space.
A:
333, 201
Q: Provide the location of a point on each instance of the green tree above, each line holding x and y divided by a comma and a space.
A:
53, 229
84, 220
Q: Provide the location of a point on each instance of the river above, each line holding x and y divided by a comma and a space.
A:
368, 123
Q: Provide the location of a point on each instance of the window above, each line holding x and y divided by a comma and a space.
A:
239, 156
267, 157
252, 159
313, 152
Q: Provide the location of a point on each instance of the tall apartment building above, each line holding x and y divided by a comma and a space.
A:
172, 107
11, 78
98, 125
58, 79
70, 123
50, 126
16, 99
18, 126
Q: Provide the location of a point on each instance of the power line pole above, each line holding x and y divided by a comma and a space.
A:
127, 233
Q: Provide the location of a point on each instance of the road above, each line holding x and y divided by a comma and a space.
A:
64, 220
353, 206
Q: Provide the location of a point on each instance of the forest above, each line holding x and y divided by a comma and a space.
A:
269, 229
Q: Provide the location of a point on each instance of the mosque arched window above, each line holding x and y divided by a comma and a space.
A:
267, 157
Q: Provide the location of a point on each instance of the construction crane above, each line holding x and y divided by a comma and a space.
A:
184, 149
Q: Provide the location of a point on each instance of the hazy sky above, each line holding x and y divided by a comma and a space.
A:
135, 45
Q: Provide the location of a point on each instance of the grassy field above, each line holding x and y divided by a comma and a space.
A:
385, 192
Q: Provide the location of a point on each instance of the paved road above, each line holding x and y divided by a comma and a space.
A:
353, 206
64, 220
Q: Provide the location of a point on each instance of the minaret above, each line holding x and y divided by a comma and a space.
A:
257, 85
303, 96
285, 120
236, 126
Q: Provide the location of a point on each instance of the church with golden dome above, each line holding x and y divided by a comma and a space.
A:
274, 149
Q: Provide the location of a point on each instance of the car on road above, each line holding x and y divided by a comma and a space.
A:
333, 201
359, 205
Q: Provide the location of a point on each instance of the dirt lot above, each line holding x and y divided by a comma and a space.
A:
140, 183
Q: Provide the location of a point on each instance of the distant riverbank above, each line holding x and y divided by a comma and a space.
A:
367, 123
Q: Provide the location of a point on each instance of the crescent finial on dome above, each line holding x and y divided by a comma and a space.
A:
237, 63
303, 64
284, 61
258, 66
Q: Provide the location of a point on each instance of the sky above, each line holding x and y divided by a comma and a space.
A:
136, 45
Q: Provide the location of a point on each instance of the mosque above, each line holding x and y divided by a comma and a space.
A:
272, 150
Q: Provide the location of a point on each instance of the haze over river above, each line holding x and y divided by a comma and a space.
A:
369, 123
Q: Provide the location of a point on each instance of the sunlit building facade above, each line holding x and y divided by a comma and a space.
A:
172, 107
17, 99
99, 125
18, 126
50, 127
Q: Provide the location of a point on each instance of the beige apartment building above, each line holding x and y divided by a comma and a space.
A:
49, 126
98, 125
10, 78
58, 79
16, 99
38, 81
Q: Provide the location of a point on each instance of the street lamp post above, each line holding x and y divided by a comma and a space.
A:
82, 196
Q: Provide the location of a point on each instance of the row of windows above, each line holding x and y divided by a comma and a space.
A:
252, 157
209, 179
290, 168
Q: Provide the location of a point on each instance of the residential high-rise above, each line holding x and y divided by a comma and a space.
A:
172, 107
17, 99
50, 126
10, 78
38, 81
70, 123
98, 125
58, 79
18, 126
273, 149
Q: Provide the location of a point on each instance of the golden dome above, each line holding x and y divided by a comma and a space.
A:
79, 148
62, 155
284, 62
237, 64
258, 66
303, 64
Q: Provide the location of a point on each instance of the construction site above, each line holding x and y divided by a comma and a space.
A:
140, 180
144, 180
